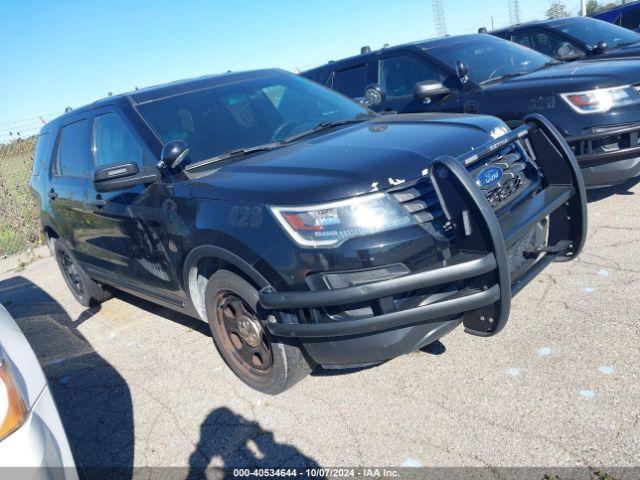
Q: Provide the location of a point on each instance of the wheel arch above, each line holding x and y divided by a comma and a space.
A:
50, 232
203, 261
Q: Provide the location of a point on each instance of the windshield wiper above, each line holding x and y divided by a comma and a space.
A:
236, 152
503, 77
322, 126
517, 74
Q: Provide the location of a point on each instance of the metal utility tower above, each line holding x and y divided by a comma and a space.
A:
438, 17
514, 12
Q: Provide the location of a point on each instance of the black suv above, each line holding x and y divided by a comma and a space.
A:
574, 38
594, 104
303, 227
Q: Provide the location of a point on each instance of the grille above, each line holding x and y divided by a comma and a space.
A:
514, 177
422, 202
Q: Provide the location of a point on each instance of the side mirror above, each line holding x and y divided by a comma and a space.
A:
566, 51
462, 70
174, 155
601, 47
374, 94
118, 176
423, 91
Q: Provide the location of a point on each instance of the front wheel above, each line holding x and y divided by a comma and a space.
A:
264, 364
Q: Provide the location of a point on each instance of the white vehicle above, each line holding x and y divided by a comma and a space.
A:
33, 443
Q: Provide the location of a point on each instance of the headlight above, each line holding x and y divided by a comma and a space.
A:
601, 100
330, 224
13, 411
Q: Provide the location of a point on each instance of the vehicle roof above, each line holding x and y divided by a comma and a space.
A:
155, 92
419, 45
544, 23
621, 7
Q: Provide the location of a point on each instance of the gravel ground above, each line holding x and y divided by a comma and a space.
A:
140, 385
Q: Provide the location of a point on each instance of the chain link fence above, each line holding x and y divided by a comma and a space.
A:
19, 224
19, 217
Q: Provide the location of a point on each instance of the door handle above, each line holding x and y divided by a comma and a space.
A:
99, 201
52, 194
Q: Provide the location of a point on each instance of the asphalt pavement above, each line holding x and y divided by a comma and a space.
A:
139, 385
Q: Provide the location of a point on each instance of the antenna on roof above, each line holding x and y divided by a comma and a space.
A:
482, 30
109, 94
68, 109
365, 49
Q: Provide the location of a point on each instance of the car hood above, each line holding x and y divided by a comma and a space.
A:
348, 161
573, 76
624, 51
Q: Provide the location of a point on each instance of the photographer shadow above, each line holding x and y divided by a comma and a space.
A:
232, 441
93, 399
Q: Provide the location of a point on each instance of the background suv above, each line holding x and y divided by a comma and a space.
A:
594, 104
626, 15
574, 38
302, 226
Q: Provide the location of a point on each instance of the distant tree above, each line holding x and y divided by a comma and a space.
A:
558, 9
592, 7
609, 5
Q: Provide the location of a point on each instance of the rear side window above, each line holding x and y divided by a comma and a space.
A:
113, 141
73, 150
398, 75
351, 82
43, 153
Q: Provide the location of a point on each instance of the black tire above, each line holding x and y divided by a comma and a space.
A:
287, 362
85, 291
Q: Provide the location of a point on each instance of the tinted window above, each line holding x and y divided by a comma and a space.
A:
489, 57
73, 150
524, 39
43, 152
351, 82
631, 19
592, 31
399, 74
113, 142
246, 114
542, 41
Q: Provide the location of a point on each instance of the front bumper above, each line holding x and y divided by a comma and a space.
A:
477, 279
608, 155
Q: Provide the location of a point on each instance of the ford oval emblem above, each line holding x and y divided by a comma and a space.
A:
488, 176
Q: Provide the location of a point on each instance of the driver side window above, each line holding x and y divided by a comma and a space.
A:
113, 142
399, 74
542, 41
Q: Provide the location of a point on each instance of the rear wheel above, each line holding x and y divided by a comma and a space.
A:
86, 291
260, 361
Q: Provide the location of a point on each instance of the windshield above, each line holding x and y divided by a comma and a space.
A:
246, 114
490, 58
591, 31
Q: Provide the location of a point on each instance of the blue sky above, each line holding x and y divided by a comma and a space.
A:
67, 53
